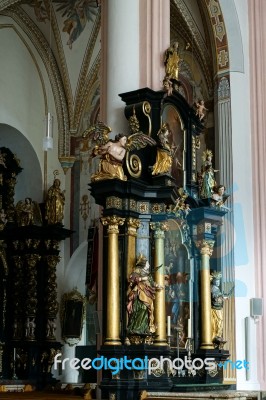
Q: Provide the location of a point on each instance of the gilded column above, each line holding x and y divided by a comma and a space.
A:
159, 304
31, 295
51, 304
132, 226
113, 296
206, 249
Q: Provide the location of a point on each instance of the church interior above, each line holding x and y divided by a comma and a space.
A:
132, 195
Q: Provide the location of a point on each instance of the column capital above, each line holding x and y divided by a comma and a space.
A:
113, 222
159, 228
132, 225
205, 246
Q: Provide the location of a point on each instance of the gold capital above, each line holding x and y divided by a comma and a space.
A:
159, 228
206, 247
132, 225
113, 223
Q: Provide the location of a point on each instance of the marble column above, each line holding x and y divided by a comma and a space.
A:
206, 249
132, 226
113, 295
159, 304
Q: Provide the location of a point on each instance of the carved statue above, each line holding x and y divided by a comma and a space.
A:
217, 302
28, 212
140, 306
168, 86
3, 219
164, 157
30, 328
55, 202
113, 152
219, 197
200, 108
50, 328
207, 180
171, 61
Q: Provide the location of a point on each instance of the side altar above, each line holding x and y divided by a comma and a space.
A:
162, 214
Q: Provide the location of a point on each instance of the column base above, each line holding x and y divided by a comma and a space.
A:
112, 342
206, 346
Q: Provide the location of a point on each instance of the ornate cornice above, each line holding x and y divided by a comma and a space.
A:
7, 3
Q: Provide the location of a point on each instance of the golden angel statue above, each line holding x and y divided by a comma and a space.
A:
28, 212
112, 152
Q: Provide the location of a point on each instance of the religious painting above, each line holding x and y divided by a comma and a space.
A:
72, 316
171, 116
177, 285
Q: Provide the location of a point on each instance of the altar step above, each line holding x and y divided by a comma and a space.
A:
233, 395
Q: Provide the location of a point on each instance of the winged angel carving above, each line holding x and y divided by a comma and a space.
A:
113, 152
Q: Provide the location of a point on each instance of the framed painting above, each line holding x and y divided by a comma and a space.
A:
73, 311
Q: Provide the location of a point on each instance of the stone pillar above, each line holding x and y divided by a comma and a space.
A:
113, 295
159, 304
206, 248
224, 163
155, 39
120, 49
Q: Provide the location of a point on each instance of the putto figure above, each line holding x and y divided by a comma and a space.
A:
200, 108
112, 152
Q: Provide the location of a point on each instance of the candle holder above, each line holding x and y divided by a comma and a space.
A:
169, 340
178, 337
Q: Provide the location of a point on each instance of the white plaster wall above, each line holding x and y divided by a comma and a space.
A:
23, 85
236, 20
73, 275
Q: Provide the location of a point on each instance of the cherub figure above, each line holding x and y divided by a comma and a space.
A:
219, 196
200, 109
112, 152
